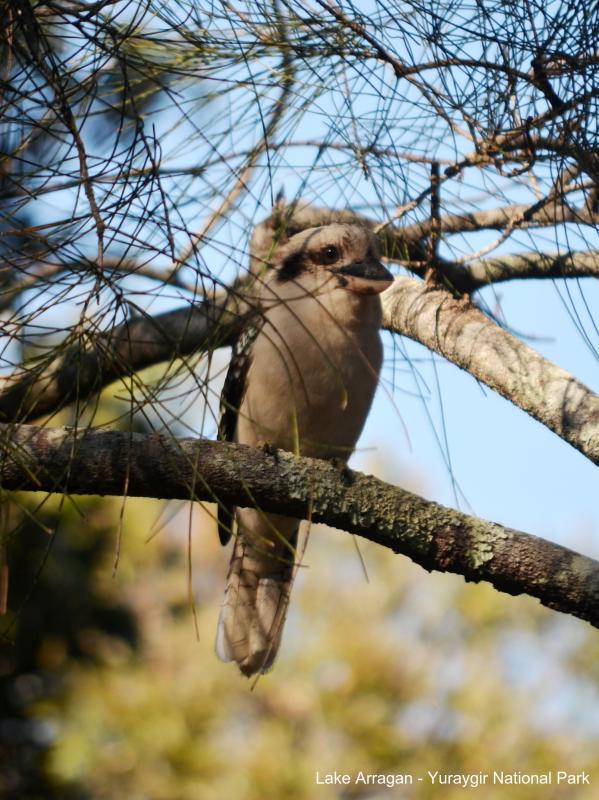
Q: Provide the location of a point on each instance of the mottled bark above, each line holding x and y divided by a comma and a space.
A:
82, 370
461, 333
521, 266
93, 462
545, 213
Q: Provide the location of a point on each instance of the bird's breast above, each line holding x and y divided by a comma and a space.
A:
313, 374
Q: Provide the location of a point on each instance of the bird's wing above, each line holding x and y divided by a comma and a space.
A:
231, 399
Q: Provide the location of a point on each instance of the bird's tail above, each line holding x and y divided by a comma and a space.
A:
257, 591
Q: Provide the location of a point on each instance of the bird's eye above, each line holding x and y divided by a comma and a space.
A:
329, 254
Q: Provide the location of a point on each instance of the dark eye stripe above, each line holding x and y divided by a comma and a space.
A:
291, 267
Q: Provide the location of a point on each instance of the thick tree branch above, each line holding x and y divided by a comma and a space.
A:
463, 335
480, 272
518, 215
97, 462
81, 371
485, 271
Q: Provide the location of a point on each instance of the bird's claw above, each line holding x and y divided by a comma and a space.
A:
346, 476
269, 450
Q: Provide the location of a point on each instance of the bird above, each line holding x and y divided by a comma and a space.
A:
301, 378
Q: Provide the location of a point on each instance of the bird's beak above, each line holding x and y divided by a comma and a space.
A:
364, 277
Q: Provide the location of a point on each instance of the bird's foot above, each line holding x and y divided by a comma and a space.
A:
269, 450
465, 301
346, 476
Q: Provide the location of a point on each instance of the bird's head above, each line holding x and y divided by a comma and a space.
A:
346, 254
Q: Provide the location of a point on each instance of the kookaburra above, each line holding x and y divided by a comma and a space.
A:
301, 378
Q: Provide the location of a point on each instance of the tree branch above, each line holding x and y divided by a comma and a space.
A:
485, 271
480, 272
463, 335
79, 371
541, 214
97, 462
